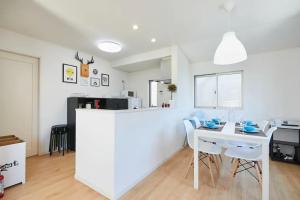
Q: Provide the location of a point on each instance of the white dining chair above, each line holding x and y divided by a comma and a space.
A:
209, 150
197, 121
251, 157
200, 114
263, 125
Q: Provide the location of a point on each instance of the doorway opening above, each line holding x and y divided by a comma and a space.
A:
158, 92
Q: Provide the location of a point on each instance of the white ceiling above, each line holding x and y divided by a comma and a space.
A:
195, 25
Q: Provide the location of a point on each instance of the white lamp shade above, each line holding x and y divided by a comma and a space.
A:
230, 50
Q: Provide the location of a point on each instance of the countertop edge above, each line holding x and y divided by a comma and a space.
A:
124, 111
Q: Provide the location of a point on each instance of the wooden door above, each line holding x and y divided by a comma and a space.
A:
19, 98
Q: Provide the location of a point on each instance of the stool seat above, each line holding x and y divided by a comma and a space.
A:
58, 138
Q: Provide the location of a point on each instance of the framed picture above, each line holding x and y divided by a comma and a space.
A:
104, 79
95, 82
95, 72
84, 70
84, 81
69, 73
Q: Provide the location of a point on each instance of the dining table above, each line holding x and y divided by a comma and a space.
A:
230, 132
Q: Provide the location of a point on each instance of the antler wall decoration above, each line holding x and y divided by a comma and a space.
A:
84, 68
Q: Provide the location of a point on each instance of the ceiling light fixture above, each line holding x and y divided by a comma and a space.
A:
153, 40
135, 27
230, 50
110, 46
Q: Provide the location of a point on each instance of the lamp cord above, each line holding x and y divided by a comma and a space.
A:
229, 21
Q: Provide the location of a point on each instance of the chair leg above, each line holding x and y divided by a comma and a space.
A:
63, 143
216, 163
233, 161
51, 144
220, 158
236, 163
210, 170
190, 164
67, 142
259, 166
258, 173
54, 143
59, 142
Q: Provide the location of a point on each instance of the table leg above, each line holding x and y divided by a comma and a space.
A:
265, 171
196, 167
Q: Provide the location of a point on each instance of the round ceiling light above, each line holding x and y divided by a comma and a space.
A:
153, 40
135, 27
110, 46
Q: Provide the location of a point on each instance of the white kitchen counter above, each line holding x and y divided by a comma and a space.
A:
128, 110
116, 149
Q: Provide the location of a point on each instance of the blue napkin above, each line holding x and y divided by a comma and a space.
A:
249, 129
249, 123
210, 124
216, 120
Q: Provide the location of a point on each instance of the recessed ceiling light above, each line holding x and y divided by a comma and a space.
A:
153, 40
110, 46
135, 27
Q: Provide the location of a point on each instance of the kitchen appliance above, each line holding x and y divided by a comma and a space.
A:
128, 93
134, 103
88, 106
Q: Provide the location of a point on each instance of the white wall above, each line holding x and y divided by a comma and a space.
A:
53, 92
139, 81
271, 85
181, 76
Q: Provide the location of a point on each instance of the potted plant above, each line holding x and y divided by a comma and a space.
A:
172, 88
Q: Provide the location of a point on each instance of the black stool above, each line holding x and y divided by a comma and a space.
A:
58, 138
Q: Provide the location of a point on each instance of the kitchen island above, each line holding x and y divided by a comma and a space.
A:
116, 149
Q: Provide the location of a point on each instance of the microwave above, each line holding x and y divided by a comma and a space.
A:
128, 93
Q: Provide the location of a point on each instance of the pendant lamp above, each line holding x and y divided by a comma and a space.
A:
230, 50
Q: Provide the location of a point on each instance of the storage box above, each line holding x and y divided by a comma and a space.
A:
12, 158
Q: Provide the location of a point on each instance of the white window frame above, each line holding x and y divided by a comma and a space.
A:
217, 93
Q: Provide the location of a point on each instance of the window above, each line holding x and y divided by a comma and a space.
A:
153, 93
222, 90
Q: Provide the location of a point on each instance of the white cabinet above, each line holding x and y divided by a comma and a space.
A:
12, 158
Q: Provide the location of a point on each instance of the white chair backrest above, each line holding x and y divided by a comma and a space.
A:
197, 121
263, 125
270, 132
200, 114
189, 132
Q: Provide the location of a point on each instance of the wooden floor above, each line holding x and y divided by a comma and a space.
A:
52, 178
